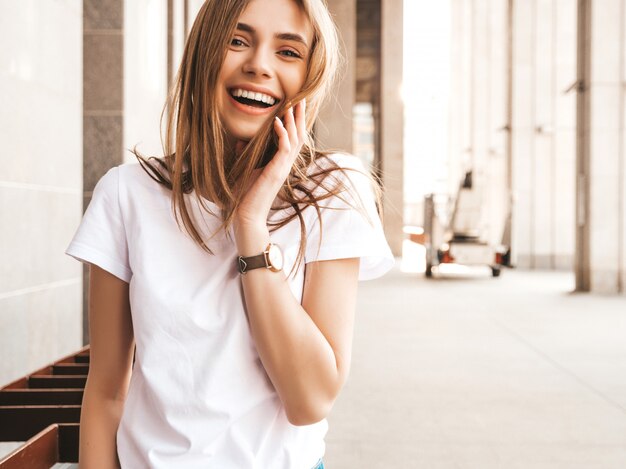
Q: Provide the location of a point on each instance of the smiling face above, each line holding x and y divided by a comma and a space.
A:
266, 63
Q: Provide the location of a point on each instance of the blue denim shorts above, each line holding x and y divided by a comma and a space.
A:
319, 465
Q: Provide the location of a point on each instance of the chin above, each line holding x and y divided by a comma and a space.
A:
245, 132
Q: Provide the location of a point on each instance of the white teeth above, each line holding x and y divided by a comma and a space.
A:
261, 97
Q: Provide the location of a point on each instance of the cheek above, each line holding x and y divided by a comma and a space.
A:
295, 81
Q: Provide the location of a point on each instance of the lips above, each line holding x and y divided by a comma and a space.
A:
253, 99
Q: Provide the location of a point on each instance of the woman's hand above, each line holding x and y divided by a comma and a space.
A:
255, 206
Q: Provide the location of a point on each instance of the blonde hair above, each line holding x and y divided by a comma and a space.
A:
197, 156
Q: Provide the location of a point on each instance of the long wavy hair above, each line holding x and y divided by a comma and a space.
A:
197, 156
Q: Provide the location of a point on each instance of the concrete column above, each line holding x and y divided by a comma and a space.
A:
366, 115
334, 127
392, 122
490, 114
601, 266
564, 140
460, 128
522, 130
498, 190
479, 119
543, 133
103, 116
622, 162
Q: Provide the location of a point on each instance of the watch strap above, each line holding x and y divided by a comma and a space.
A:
253, 262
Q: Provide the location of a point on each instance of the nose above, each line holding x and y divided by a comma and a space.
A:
257, 63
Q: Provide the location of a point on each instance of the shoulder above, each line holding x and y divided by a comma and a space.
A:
134, 179
131, 172
344, 171
338, 169
127, 182
338, 161
121, 174
342, 180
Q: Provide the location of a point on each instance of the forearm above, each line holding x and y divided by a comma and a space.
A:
297, 357
99, 420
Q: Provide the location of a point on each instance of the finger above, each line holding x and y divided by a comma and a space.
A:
290, 125
284, 145
301, 121
284, 158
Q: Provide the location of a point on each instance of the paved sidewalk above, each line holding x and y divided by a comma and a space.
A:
471, 372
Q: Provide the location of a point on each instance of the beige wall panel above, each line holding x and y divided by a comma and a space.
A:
523, 191
461, 160
458, 82
622, 157
42, 224
564, 198
604, 209
565, 134
178, 34
496, 197
543, 200
480, 84
565, 64
605, 27
605, 122
622, 216
468, 71
41, 180
544, 57
193, 8
39, 326
34, 86
498, 70
523, 65
145, 75
497, 194
605, 111
36, 148
543, 154
523, 131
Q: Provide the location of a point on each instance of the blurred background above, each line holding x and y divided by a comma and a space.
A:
498, 129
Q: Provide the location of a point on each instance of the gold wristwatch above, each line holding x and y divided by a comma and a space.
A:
271, 258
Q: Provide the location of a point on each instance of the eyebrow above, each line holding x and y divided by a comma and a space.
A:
285, 36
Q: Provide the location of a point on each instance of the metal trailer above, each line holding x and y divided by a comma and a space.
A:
461, 238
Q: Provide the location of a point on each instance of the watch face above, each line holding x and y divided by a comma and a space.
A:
275, 256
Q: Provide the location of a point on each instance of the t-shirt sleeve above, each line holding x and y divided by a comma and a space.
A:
101, 238
346, 231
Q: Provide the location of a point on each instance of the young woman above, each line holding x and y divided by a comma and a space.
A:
230, 265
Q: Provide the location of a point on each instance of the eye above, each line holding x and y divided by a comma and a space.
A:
237, 42
290, 53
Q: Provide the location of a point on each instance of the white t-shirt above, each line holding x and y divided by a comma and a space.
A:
199, 396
